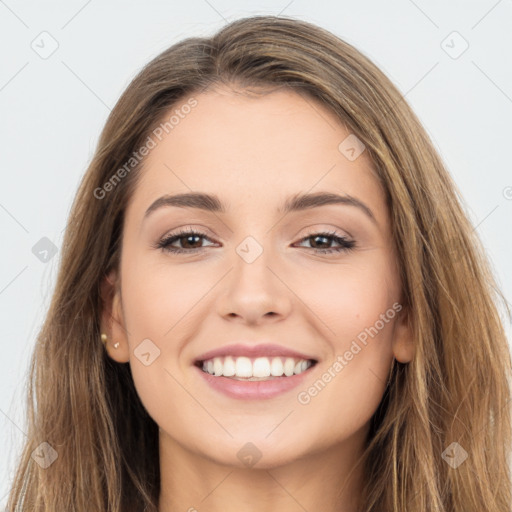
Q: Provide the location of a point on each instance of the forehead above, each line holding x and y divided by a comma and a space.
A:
254, 149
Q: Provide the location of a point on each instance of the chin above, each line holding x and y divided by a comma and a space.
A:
254, 452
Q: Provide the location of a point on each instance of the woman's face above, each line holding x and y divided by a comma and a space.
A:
259, 274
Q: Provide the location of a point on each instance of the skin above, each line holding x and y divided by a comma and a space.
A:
254, 152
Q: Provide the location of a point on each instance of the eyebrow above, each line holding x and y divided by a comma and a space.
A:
297, 202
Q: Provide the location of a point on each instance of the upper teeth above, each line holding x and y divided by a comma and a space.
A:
259, 367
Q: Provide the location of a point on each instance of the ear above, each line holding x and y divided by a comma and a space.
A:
404, 347
112, 320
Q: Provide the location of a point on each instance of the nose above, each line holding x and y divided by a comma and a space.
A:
255, 292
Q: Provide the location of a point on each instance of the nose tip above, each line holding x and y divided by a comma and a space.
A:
254, 293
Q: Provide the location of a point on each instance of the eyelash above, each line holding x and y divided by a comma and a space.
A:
164, 244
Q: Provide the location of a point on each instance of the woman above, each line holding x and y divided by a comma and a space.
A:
245, 364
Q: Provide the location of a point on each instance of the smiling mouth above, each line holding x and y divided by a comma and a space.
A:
255, 369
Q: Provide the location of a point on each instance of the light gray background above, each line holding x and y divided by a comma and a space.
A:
53, 109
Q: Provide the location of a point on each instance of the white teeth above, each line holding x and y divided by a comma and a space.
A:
276, 367
289, 365
217, 366
243, 367
263, 368
229, 367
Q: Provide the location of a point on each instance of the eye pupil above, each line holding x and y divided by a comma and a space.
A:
189, 237
320, 237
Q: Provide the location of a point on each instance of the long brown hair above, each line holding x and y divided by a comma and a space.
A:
455, 390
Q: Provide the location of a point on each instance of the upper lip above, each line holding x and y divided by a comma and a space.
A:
261, 350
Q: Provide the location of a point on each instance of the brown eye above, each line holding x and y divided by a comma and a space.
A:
326, 239
190, 242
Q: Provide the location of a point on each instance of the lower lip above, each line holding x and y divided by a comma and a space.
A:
254, 390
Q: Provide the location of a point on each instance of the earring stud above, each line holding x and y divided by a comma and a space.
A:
104, 340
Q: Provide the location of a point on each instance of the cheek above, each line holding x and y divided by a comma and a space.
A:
156, 297
152, 305
348, 299
355, 309
161, 304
